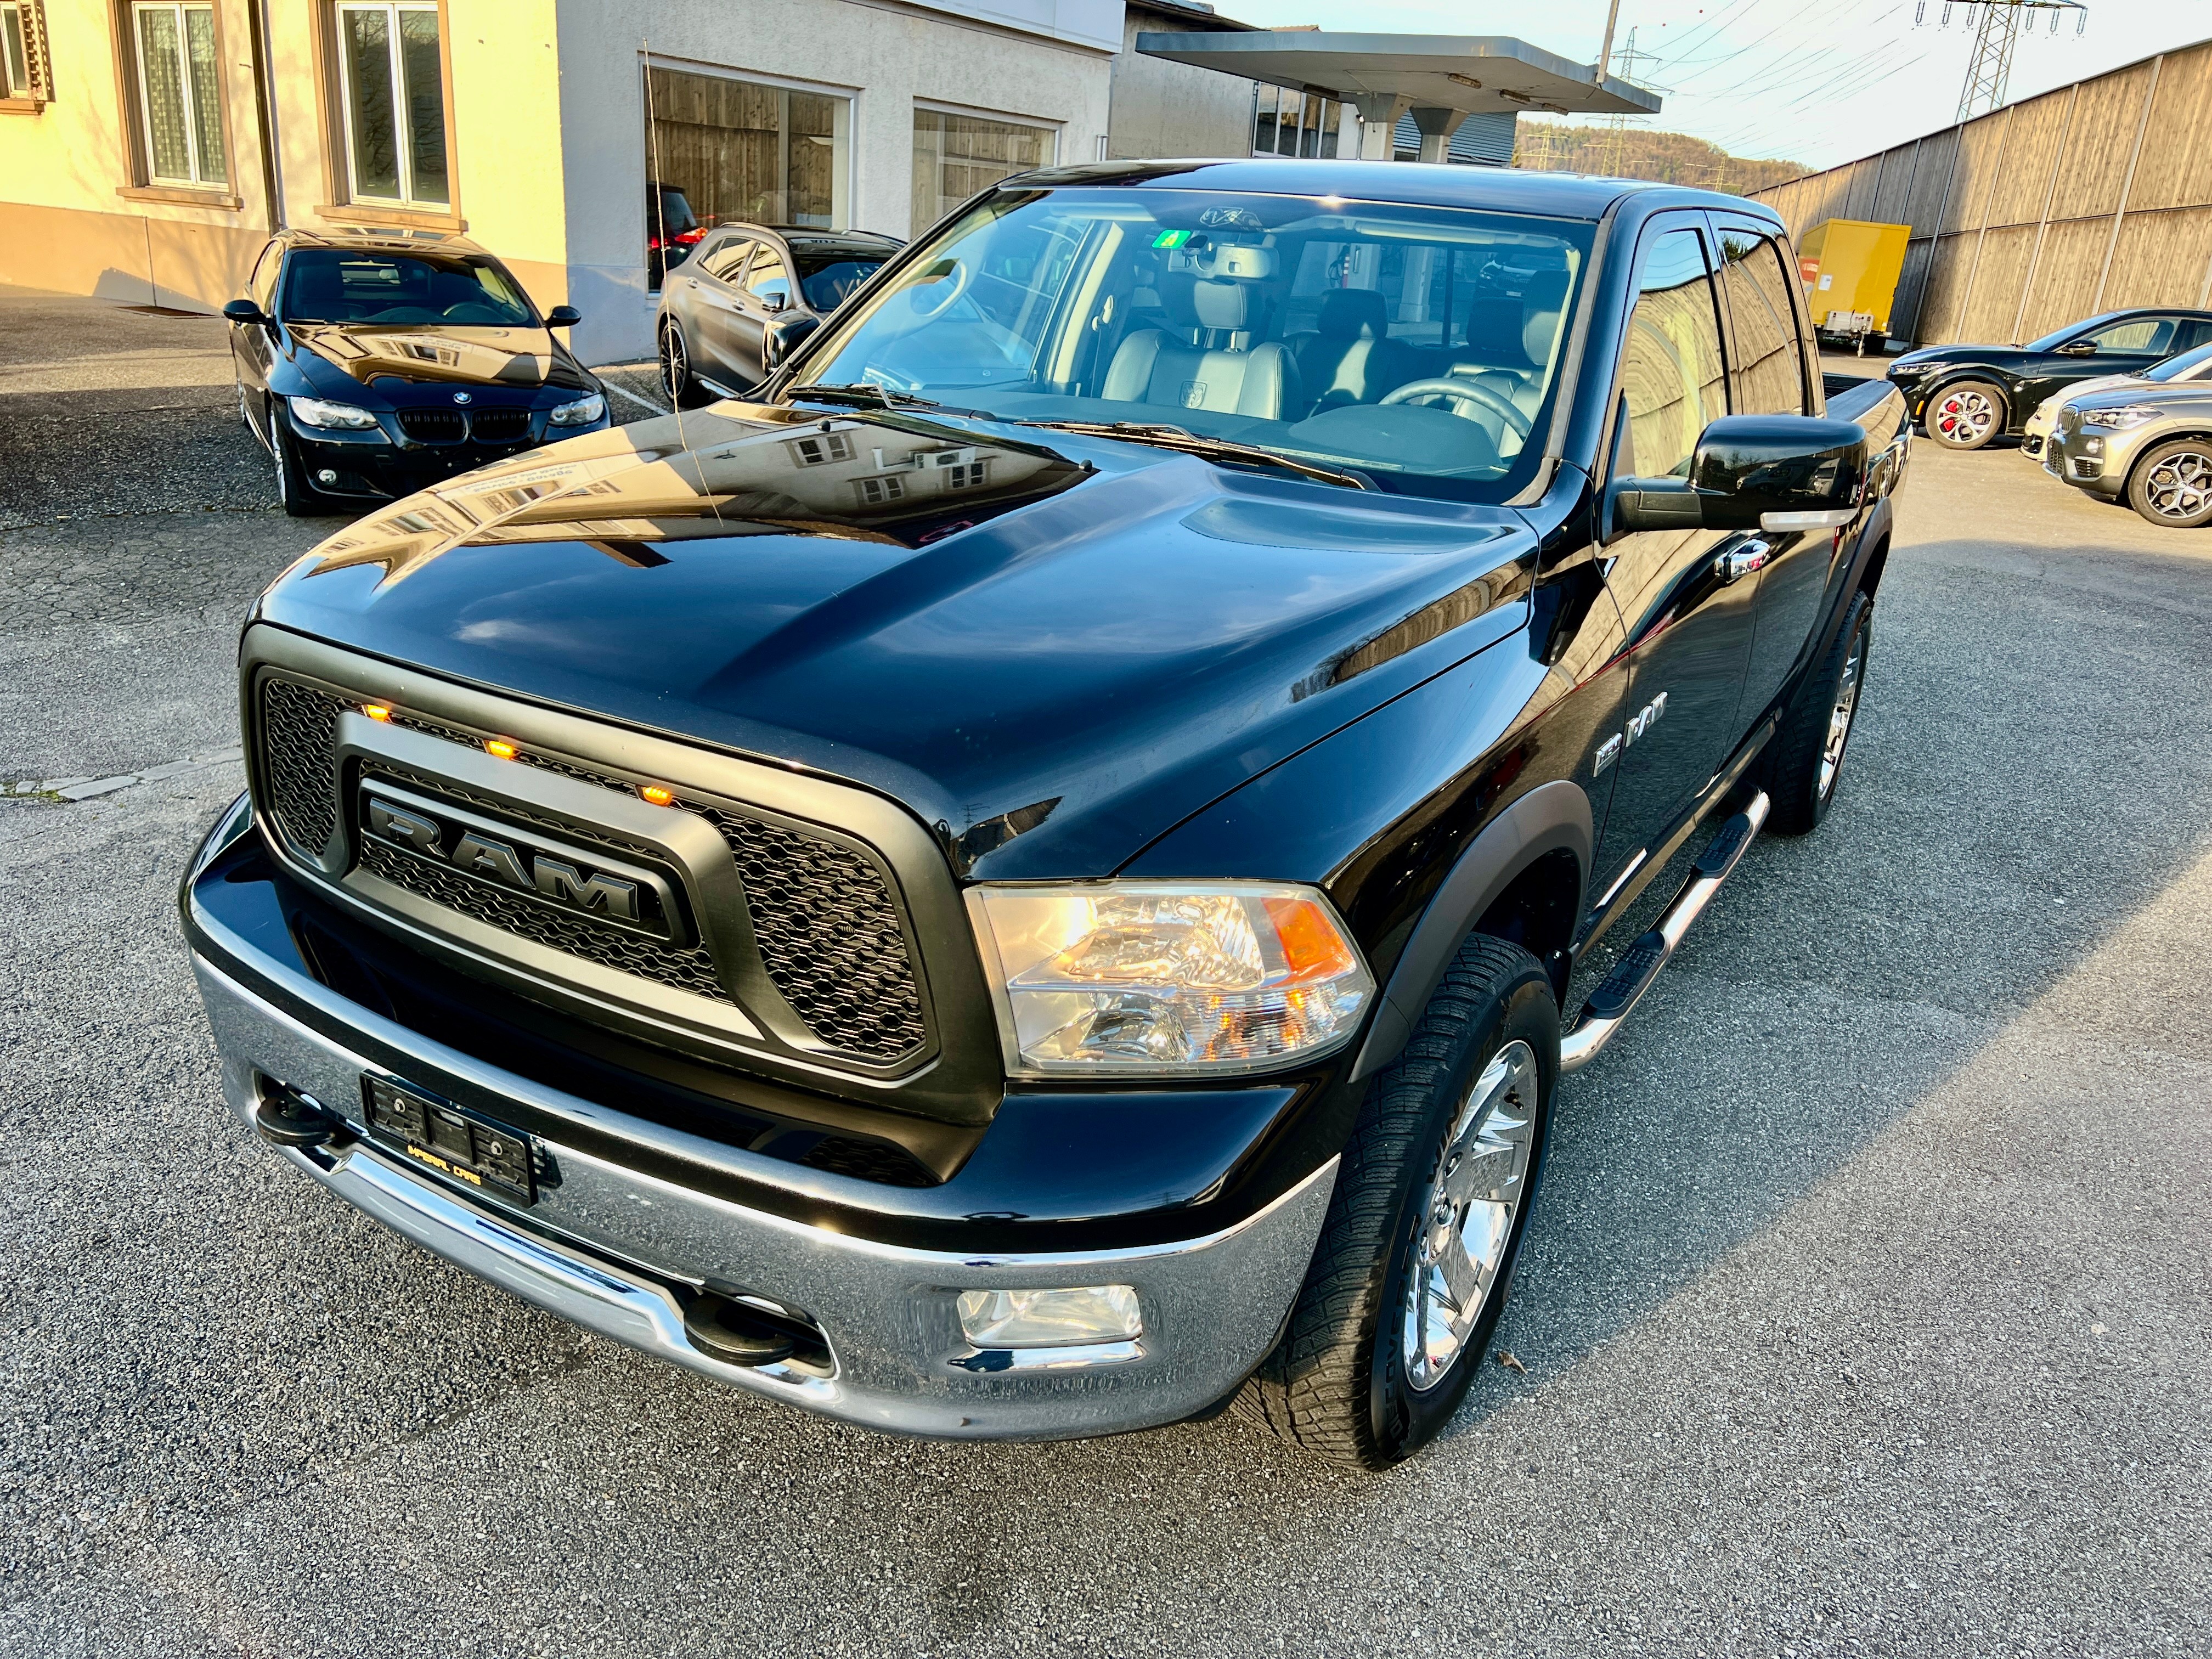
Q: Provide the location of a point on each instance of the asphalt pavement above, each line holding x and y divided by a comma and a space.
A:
1866, 1310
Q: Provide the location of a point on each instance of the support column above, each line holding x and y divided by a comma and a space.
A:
1378, 119
1437, 127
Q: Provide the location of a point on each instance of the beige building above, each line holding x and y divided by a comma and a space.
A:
146, 147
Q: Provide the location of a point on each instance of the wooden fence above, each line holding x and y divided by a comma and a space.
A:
2093, 197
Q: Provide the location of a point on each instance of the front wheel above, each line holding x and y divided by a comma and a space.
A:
1432, 1202
2172, 486
677, 380
1965, 415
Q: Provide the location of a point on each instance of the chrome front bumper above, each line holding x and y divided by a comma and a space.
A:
619, 1252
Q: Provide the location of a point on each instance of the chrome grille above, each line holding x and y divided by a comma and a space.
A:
825, 922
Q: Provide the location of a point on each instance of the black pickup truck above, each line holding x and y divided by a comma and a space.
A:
1024, 884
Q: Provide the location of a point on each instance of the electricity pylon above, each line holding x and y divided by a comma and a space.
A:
1998, 29
1626, 62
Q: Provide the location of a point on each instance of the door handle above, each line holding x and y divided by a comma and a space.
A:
1742, 559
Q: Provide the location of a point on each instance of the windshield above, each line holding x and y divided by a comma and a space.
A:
828, 276
2187, 366
1419, 346
336, 285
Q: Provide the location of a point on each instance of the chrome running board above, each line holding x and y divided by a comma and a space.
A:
1639, 964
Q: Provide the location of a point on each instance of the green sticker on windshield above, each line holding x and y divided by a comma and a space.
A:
1171, 238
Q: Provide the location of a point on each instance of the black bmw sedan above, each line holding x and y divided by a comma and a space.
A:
373, 365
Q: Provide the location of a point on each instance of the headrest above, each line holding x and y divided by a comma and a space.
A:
1221, 304
1353, 314
1541, 302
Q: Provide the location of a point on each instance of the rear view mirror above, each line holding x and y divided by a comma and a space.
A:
243, 311
1755, 471
780, 340
2078, 349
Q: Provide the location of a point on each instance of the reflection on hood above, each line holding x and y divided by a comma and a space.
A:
896, 479
522, 357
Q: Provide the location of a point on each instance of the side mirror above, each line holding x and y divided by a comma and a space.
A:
1755, 471
773, 302
2078, 349
780, 340
244, 311
563, 317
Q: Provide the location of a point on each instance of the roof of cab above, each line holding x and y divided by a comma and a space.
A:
1502, 190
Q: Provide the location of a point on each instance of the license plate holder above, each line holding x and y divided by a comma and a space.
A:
459, 1142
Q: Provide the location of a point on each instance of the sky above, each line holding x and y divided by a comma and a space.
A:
1819, 83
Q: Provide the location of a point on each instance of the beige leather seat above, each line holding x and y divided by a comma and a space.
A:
1212, 366
1350, 358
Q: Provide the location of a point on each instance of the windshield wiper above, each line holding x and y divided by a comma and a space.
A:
862, 391
1185, 442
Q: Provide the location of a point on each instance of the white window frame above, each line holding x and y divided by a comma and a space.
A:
403, 140
850, 192
196, 163
1004, 116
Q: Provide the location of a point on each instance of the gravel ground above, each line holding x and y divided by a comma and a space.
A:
1866, 1310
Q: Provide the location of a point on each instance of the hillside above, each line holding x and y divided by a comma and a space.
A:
1672, 158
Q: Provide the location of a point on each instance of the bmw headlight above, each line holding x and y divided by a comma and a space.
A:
342, 417
1124, 978
2120, 420
582, 412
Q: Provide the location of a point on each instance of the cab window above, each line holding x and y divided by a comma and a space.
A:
2137, 334
1671, 378
1767, 370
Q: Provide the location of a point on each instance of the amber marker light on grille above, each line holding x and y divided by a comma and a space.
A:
376, 711
501, 748
659, 797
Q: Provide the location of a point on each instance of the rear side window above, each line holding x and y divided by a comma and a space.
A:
1766, 369
1671, 377
725, 260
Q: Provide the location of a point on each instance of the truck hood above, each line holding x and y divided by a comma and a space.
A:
400, 353
1051, 649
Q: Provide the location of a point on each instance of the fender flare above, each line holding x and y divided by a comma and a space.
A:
1551, 818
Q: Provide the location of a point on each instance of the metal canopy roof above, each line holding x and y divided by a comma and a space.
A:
1467, 73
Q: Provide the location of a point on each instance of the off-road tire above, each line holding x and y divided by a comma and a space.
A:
1947, 425
1800, 785
1336, 1384
2172, 485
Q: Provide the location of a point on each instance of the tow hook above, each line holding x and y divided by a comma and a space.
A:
734, 1334
287, 1117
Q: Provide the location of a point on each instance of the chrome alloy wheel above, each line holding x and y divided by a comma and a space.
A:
1839, 717
1964, 416
675, 363
1468, 1213
2180, 485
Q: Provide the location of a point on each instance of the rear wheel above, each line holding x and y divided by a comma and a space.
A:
1965, 415
1806, 759
1425, 1226
683, 391
2173, 484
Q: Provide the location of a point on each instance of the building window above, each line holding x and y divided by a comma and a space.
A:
1287, 123
876, 492
723, 150
956, 155
179, 94
829, 447
23, 51
391, 95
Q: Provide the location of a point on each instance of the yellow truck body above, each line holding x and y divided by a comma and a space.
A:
1852, 266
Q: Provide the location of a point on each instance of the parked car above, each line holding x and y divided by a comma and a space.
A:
1027, 881
2149, 445
1966, 395
371, 364
672, 230
750, 291
2184, 368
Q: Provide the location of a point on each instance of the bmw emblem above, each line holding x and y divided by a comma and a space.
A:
462, 398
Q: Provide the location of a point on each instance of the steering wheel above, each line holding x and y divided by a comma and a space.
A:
956, 281
1463, 395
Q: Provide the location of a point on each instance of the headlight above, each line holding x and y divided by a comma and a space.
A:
1129, 977
2120, 420
582, 412
344, 417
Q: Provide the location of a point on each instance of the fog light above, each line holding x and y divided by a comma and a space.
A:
1050, 1319
326, 476
2092, 445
